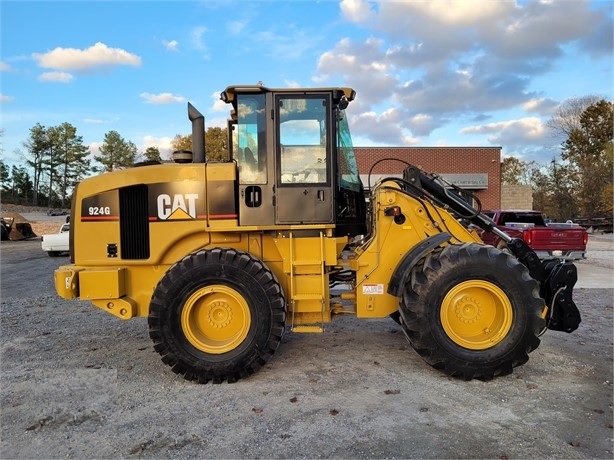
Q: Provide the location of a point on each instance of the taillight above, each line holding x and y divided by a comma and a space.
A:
527, 236
585, 238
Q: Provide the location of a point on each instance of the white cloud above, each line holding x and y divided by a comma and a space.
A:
461, 12
94, 148
236, 27
363, 67
218, 104
421, 124
98, 121
197, 37
5, 67
163, 144
385, 127
494, 49
96, 56
529, 130
542, 105
4, 99
170, 45
439, 62
59, 77
286, 42
162, 98
356, 10
221, 122
160, 142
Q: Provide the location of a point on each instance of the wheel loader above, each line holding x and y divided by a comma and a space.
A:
224, 257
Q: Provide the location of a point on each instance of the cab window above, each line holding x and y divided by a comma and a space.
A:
249, 147
303, 140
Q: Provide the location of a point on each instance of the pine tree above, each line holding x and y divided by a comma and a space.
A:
116, 153
73, 164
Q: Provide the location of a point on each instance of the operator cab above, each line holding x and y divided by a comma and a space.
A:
295, 158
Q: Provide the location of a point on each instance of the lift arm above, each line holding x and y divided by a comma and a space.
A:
556, 278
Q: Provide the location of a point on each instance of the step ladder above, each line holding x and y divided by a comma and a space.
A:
308, 286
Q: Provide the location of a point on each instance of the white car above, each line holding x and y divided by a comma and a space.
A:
57, 243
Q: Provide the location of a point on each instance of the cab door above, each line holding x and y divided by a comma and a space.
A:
303, 158
256, 169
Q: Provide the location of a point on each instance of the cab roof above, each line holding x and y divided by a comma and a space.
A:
229, 94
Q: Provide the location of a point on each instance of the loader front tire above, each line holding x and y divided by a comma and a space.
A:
217, 315
472, 311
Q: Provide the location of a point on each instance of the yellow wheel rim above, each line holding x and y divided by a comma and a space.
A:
215, 319
476, 314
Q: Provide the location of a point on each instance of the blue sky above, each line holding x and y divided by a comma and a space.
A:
426, 73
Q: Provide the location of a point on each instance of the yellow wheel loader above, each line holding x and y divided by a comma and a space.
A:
225, 257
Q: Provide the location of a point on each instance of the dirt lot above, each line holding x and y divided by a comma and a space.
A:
79, 383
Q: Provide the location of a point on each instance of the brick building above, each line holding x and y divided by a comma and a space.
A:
475, 169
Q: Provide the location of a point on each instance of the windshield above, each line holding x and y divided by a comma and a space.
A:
348, 168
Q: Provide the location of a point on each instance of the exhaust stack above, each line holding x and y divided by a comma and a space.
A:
198, 134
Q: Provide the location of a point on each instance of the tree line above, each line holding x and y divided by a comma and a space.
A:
580, 183
577, 185
56, 160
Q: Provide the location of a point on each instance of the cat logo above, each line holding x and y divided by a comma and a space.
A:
177, 207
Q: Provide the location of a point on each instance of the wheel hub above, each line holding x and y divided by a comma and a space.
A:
476, 314
215, 319
468, 310
220, 314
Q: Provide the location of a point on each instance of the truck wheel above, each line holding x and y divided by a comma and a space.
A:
472, 311
217, 315
53, 253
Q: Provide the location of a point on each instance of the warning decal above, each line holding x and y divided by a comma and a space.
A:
373, 289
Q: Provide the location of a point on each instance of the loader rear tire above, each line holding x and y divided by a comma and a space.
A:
217, 315
472, 311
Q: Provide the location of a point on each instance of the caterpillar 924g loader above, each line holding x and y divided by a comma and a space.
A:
224, 257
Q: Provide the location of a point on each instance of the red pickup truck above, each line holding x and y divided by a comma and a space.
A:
550, 241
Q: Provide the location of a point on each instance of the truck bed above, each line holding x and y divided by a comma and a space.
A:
549, 241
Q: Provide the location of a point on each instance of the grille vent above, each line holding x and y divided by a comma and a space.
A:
134, 222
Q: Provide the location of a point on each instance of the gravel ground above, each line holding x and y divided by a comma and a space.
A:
79, 383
